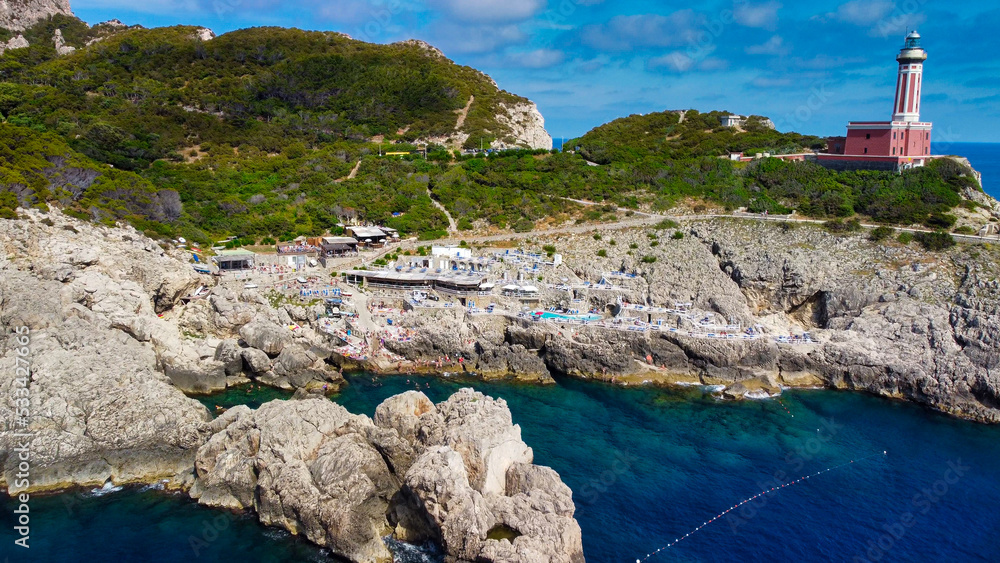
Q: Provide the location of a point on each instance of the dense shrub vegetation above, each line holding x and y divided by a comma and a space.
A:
255, 134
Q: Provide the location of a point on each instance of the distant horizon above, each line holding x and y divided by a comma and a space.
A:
810, 68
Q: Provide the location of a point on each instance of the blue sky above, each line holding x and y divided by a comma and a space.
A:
811, 67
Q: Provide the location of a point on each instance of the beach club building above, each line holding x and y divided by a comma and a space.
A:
371, 237
457, 283
331, 247
234, 260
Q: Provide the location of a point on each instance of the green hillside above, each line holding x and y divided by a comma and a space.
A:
666, 135
255, 134
145, 94
37, 169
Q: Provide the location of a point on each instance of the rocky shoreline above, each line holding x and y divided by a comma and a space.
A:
108, 364
114, 349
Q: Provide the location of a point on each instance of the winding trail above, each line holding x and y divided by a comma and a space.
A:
463, 113
452, 226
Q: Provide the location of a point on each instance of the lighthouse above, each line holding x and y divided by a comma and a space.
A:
911, 71
903, 142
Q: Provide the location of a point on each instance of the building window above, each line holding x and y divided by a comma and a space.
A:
894, 150
866, 150
868, 135
893, 135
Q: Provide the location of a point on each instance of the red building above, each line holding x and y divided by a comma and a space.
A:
905, 141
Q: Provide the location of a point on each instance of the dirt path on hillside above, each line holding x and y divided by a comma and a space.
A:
354, 172
463, 113
452, 226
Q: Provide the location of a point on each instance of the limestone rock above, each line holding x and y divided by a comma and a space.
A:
60, 44
404, 414
18, 15
102, 407
256, 360
17, 42
265, 336
230, 355
204, 34
312, 468
481, 430
526, 124
287, 462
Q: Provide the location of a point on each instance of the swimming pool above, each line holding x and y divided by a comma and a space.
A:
551, 315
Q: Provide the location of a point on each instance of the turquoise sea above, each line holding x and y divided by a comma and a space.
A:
646, 466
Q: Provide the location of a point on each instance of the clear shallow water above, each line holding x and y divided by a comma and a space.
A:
647, 466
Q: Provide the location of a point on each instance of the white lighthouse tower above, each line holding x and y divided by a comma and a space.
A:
911, 71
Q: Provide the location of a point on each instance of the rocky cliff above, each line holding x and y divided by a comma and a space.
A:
110, 358
887, 318
18, 15
526, 125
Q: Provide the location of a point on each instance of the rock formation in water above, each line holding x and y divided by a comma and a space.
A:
100, 407
454, 473
18, 15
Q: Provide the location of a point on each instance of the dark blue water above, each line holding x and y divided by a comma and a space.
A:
647, 466
985, 157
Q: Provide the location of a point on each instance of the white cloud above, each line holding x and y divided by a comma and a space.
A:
489, 11
682, 61
823, 61
757, 15
358, 12
883, 18
863, 12
539, 58
454, 37
773, 46
713, 63
623, 33
769, 82
589, 66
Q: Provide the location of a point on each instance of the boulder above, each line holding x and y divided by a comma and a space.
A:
230, 355
404, 413
287, 461
193, 376
256, 360
266, 336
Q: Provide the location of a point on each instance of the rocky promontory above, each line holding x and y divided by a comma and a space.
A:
453, 473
